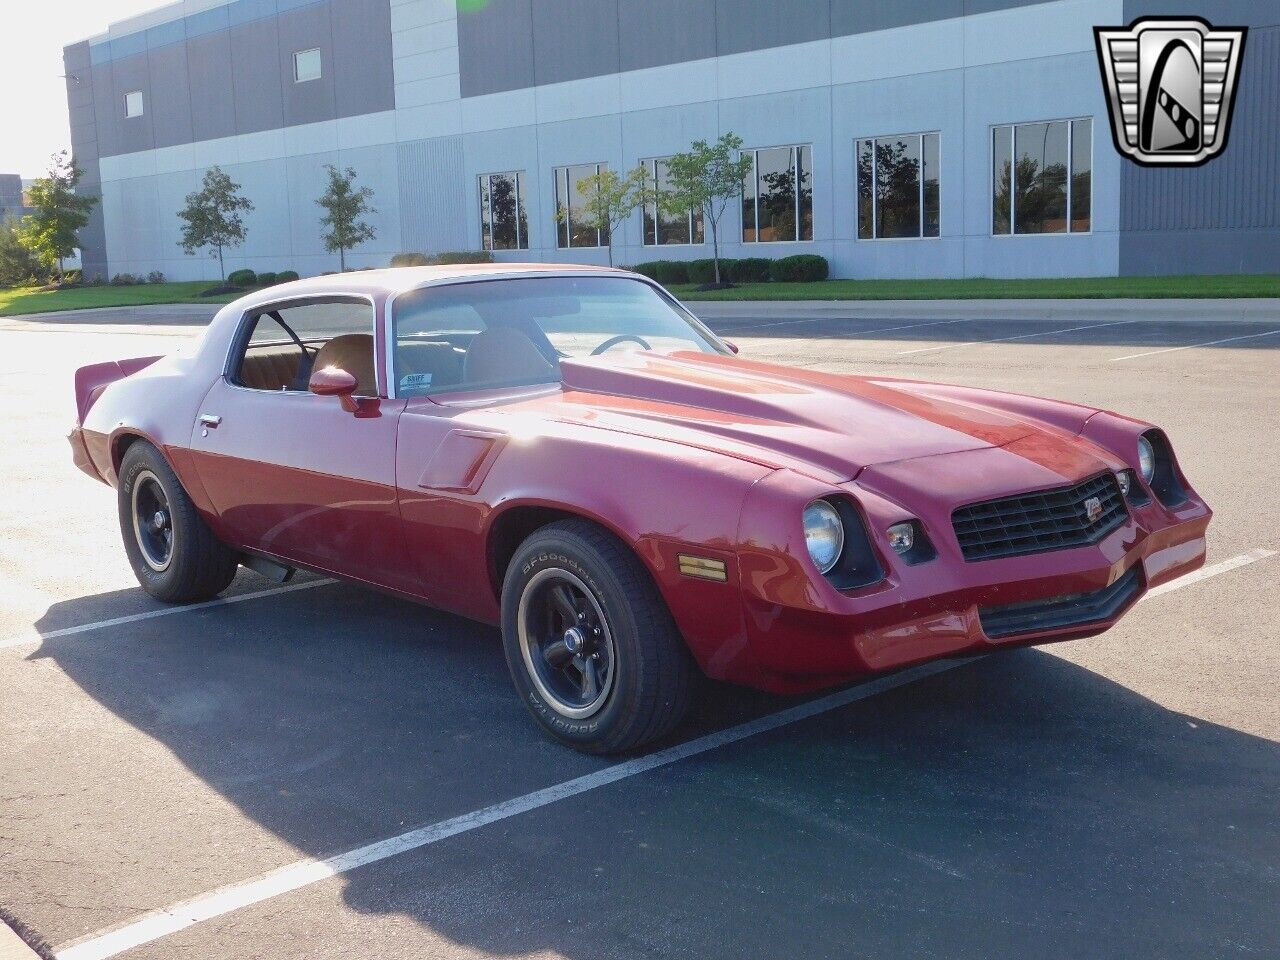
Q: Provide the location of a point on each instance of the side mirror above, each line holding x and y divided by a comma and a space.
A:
334, 382
731, 345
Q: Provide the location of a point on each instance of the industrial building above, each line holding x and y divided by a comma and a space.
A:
878, 132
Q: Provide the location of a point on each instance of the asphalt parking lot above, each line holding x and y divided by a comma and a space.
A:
1111, 797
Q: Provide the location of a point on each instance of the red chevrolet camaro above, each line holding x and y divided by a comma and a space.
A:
567, 452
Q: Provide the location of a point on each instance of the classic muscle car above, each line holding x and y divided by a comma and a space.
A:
567, 452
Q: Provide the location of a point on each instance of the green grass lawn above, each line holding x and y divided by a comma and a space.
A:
1225, 285
16, 301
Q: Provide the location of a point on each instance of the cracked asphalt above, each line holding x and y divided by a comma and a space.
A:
1111, 797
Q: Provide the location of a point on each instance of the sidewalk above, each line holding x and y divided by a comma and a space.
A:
1255, 310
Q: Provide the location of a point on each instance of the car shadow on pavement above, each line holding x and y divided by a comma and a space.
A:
1016, 806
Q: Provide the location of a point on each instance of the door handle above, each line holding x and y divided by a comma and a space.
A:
210, 420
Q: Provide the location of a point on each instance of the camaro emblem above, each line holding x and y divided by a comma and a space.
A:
1171, 82
1093, 508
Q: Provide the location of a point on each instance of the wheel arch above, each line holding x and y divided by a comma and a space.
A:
515, 522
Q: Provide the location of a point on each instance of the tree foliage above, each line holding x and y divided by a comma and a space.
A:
50, 231
345, 208
212, 217
708, 177
18, 264
607, 199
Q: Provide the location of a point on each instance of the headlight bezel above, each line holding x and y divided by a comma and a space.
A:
1166, 482
1146, 459
858, 564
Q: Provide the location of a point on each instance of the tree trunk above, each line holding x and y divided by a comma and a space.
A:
715, 249
221, 267
342, 259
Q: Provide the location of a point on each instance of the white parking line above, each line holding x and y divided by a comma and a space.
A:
294, 876
35, 636
1204, 573
153, 926
1025, 336
1192, 346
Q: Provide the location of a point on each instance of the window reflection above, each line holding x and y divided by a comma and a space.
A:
661, 228
777, 195
1041, 172
898, 186
572, 199
503, 223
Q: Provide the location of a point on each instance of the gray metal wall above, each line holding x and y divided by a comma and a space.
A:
1223, 217
512, 44
203, 80
84, 147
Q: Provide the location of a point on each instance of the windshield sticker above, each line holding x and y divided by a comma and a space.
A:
415, 381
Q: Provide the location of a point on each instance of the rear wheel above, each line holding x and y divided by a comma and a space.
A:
591, 646
174, 554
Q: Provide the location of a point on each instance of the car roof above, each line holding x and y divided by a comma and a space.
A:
393, 280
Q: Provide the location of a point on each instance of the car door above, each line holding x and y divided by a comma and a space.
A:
296, 475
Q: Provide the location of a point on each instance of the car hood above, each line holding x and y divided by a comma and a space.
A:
823, 425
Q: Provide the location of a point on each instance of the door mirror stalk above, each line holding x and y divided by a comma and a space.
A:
335, 382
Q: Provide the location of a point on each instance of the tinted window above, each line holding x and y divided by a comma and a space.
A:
1042, 177
503, 223
777, 195
574, 223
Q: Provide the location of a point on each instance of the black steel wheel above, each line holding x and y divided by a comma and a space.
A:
174, 554
592, 648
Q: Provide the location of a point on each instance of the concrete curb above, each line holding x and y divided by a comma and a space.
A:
1260, 310
14, 947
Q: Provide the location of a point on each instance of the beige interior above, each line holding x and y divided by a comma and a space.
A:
270, 368
352, 352
503, 355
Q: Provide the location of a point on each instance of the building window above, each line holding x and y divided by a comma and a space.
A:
306, 65
660, 227
1042, 177
773, 209
133, 103
898, 186
503, 224
571, 203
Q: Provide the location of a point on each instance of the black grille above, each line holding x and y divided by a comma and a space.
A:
1040, 521
1069, 610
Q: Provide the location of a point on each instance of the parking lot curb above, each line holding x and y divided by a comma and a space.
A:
27, 945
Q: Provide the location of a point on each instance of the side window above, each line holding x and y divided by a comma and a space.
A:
286, 343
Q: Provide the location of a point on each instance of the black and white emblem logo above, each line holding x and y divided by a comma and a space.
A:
1170, 84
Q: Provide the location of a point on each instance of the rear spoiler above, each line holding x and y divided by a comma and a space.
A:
93, 379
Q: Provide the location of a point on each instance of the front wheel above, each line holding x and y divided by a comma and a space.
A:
174, 554
591, 646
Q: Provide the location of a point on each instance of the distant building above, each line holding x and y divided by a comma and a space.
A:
12, 197
878, 132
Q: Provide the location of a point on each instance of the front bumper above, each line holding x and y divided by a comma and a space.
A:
820, 636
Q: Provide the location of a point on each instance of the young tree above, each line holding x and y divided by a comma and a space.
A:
212, 216
345, 207
706, 178
50, 232
607, 200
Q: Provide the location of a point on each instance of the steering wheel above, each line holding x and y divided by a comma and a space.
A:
620, 338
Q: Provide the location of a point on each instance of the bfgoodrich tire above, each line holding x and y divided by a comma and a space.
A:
174, 554
592, 649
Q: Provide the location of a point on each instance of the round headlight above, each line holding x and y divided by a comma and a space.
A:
1146, 459
823, 534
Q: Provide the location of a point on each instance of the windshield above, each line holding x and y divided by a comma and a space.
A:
495, 333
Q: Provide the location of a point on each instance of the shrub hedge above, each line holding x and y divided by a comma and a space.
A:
750, 270
268, 279
242, 278
441, 259
801, 268
286, 276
